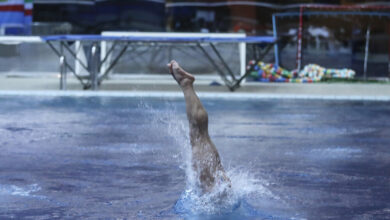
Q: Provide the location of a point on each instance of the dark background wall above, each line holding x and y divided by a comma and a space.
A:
343, 47
89, 16
93, 17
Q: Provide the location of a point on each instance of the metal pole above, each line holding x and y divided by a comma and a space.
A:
388, 36
62, 73
366, 51
299, 50
59, 54
242, 52
94, 65
276, 43
77, 61
62, 67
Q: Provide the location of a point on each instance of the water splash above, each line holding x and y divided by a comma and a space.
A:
19, 191
223, 200
245, 184
169, 123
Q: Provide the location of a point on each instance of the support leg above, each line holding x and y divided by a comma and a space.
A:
94, 67
62, 73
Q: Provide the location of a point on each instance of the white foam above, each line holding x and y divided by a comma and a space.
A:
244, 184
19, 191
223, 199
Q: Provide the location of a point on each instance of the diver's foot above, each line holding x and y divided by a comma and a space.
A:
182, 77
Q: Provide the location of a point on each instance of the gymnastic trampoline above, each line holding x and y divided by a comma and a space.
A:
106, 50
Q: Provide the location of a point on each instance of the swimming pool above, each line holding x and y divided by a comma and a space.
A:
124, 157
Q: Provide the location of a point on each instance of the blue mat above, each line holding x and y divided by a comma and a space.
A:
251, 39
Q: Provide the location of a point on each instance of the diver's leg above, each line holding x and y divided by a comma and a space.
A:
206, 160
196, 113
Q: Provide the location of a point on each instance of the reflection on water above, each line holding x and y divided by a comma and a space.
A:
64, 157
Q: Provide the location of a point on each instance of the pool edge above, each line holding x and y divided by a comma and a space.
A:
220, 95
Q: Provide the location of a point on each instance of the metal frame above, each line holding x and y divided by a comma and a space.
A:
94, 65
259, 56
63, 62
302, 13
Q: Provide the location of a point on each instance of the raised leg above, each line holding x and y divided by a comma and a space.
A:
205, 158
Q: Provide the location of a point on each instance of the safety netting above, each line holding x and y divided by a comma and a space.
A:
349, 36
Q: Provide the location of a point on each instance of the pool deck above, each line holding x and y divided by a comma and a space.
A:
161, 84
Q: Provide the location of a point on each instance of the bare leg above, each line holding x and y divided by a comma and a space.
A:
205, 158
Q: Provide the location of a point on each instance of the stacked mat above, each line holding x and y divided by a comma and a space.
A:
268, 72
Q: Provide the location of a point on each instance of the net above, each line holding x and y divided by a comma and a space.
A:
336, 37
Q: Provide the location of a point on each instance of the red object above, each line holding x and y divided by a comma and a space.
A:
344, 7
19, 8
388, 29
28, 12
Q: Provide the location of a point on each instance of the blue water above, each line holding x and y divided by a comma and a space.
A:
125, 158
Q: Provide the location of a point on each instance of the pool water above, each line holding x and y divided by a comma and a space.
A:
126, 158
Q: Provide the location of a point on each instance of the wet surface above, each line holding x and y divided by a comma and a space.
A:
101, 157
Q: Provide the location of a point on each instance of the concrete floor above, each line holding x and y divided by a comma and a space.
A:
164, 83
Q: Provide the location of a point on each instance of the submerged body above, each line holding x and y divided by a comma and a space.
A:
206, 162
